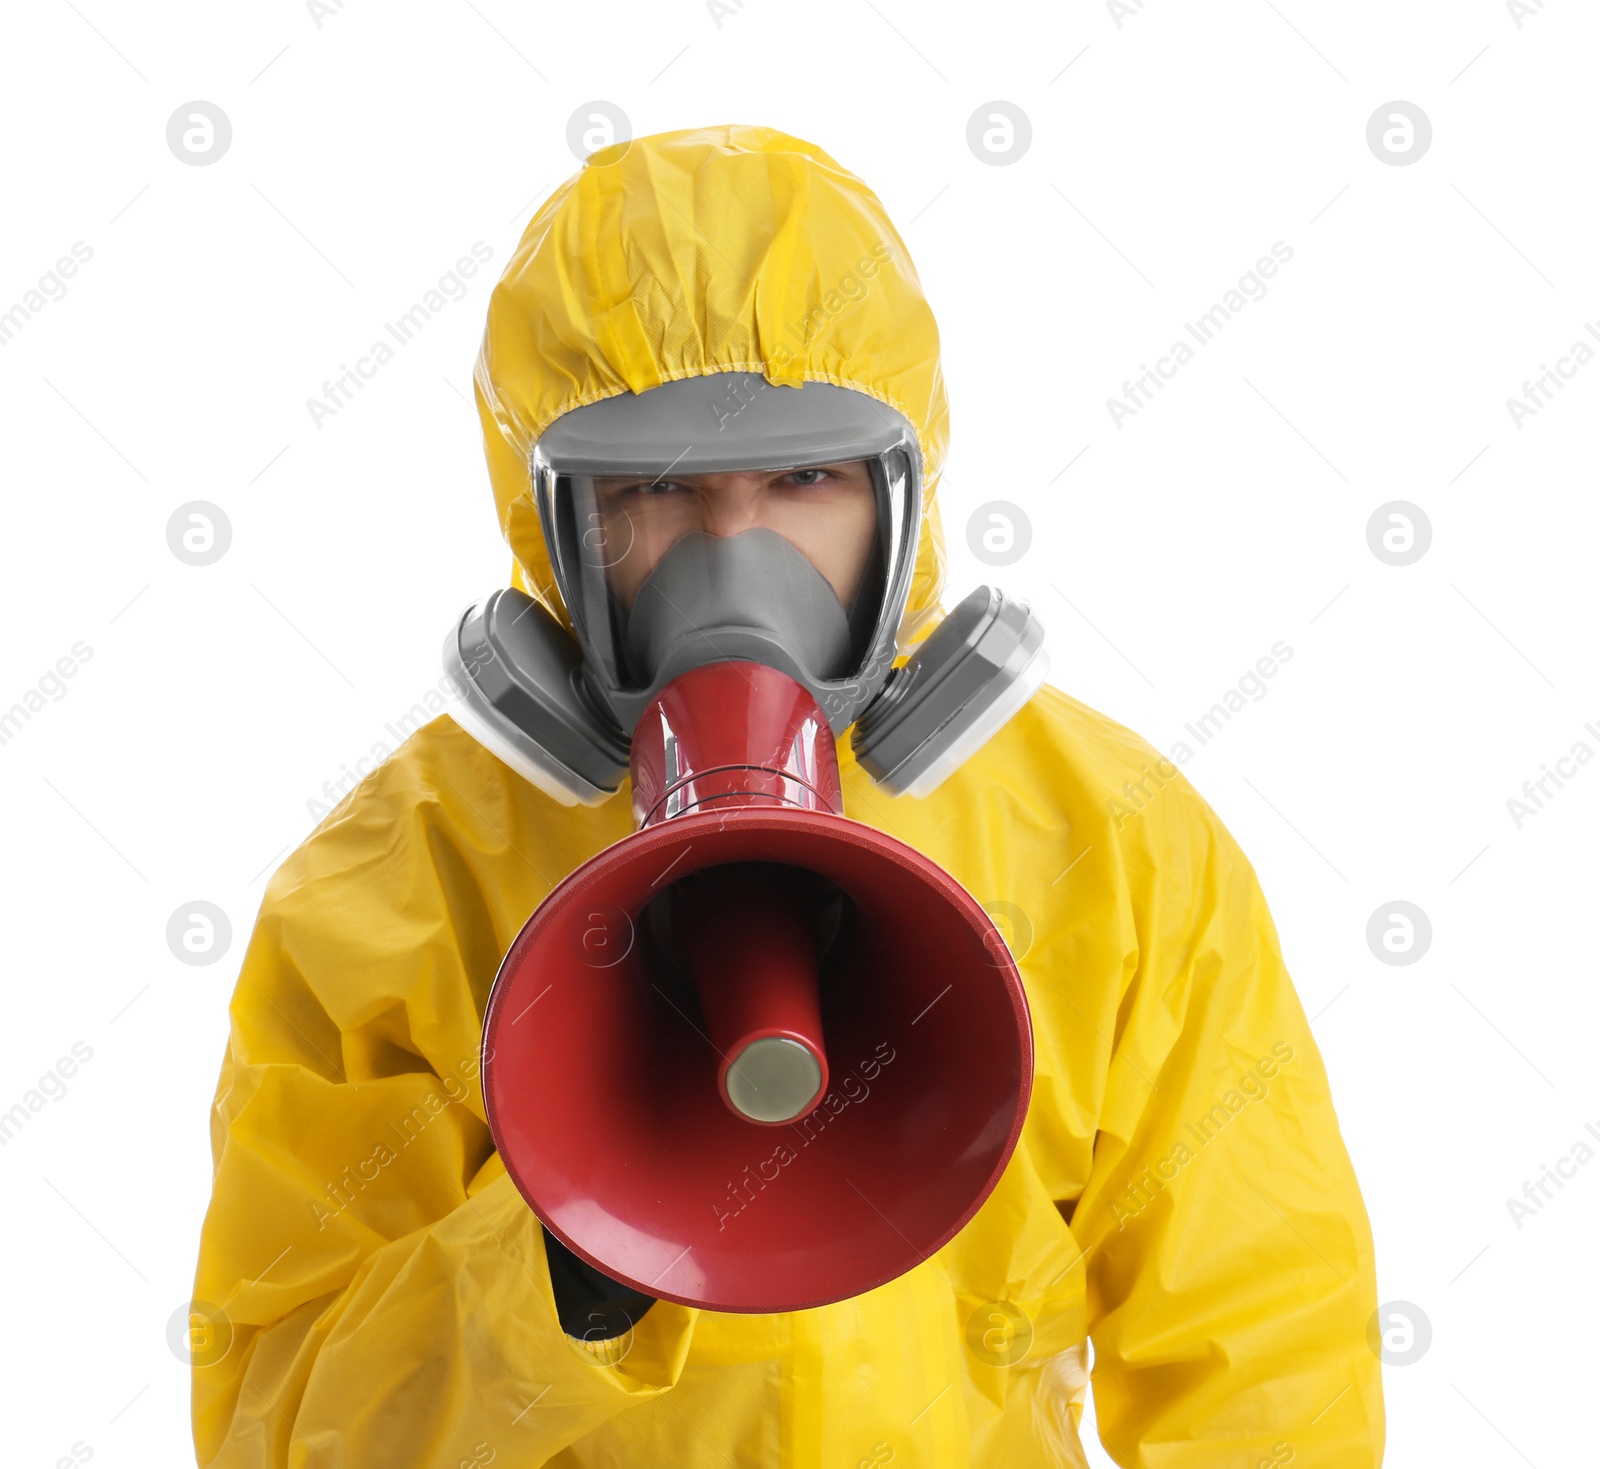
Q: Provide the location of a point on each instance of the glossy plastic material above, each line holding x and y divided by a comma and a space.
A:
604, 1101
733, 734
750, 940
738, 780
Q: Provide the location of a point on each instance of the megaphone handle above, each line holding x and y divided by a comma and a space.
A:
590, 1305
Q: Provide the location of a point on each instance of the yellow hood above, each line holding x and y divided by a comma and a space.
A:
729, 249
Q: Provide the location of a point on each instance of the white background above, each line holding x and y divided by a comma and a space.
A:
1168, 153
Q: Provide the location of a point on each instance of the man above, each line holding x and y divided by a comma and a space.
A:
1180, 1192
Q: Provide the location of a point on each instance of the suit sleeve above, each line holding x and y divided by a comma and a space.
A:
1230, 1263
371, 1289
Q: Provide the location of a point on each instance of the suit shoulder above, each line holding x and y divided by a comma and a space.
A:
398, 788
442, 799
1134, 792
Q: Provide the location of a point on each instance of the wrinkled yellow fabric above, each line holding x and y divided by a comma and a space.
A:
730, 249
1180, 1192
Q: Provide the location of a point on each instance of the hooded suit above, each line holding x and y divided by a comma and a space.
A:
1180, 1193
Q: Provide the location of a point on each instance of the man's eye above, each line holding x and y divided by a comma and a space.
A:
807, 476
657, 487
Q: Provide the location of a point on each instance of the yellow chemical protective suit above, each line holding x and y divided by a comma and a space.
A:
1180, 1193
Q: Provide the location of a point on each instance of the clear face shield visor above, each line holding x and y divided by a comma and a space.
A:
739, 520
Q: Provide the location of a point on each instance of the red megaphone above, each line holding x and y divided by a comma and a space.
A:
756, 1056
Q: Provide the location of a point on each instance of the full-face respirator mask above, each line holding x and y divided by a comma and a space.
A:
722, 520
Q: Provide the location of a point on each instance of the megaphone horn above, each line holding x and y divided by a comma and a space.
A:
755, 1056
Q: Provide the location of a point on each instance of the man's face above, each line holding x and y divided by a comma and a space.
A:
828, 513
